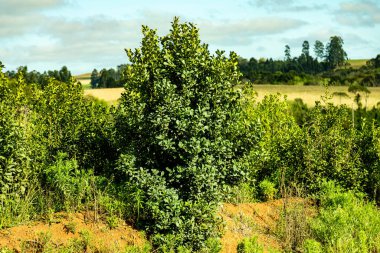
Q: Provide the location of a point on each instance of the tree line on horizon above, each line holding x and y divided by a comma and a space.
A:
108, 78
41, 79
328, 66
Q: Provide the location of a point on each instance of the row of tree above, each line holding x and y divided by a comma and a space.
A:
41, 79
108, 78
304, 69
292, 68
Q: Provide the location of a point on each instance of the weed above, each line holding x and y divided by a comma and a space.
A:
243, 224
112, 221
267, 189
243, 193
138, 249
41, 243
250, 245
293, 227
312, 246
346, 223
70, 227
5, 250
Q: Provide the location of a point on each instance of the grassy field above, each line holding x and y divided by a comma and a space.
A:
84, 79
110, 95
357, 63
309, 94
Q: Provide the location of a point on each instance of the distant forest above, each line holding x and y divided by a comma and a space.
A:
328, 66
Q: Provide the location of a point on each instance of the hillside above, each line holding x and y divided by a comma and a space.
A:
69, 230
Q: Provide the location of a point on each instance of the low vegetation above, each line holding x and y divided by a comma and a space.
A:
186, 136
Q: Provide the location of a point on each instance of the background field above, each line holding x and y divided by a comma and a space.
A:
357, 63
309, 94
85, 80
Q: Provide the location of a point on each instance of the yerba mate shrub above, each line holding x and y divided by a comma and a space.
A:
178, 127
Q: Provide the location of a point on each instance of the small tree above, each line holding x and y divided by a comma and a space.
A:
341, 95
357, 89
305, 48
319, 49
94, 78
287, 53
177, 126
335, 55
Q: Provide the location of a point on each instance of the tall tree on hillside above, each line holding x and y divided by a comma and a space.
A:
335, 55
64, 75
305, 60
94, 78
112, 76
374, 63
103, 77
287, 53
306, 48
120, 77
319, 49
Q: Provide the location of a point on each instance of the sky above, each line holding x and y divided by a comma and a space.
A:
88, 34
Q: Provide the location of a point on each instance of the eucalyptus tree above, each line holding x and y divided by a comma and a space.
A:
335, 55
319, 49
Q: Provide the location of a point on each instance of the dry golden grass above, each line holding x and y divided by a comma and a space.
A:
84, 79
110, 95
309, 94
357, 63
83, 76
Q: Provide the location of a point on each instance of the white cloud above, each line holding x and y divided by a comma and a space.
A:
27, 6
29, 36
20, 17
242, 32
13, 25
287, 6
359, 13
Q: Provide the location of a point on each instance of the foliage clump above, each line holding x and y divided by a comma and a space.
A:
345, 223
178, 127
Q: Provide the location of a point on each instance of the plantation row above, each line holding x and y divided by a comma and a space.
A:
182, 140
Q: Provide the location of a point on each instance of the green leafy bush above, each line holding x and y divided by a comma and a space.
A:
277, 153
346, 223
15, 148
177, 126
267, 190
330, 149
80, 127
68, 185
250, 245
312, 246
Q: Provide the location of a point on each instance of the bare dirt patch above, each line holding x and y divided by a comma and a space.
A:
253, 219
240, 220
67, 227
